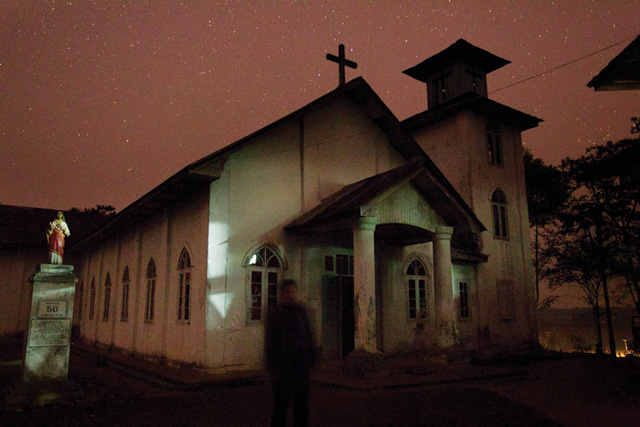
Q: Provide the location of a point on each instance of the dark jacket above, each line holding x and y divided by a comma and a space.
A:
289, 344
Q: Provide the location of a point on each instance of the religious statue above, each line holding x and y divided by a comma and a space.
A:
56, 234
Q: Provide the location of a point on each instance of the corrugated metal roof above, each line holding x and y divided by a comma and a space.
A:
348, 201
354, 196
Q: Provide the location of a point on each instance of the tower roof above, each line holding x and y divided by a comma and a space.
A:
460, 51
475, 102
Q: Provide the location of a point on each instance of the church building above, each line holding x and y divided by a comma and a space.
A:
402, 236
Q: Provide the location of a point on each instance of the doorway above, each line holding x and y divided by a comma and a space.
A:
337, 317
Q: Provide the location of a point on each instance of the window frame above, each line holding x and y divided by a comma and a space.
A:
339, 263
464, 300
495, 149
499, 214
265, 268
441, 83
151, 277
124, 306
92, 299
420, 299
106, 303
185, 266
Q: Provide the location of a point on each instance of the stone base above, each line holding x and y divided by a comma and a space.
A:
20, 395
54, 273
46, 350
362, 364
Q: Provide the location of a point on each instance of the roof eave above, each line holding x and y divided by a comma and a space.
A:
184, 183
474, 102
622, 72
460, 49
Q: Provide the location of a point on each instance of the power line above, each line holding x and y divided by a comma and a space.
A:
563, 65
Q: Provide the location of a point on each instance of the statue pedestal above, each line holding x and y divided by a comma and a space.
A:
47, 347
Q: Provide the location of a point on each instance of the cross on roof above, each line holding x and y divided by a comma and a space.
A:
342, 62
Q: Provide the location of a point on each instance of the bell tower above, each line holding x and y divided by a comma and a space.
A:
476, 143
459, 69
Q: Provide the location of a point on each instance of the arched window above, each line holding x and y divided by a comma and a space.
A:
92, 299
265, 271
417, 287
463, 296
107, 297
124, 308
494, 144
184, 287
441, 84
499, 210
151, 290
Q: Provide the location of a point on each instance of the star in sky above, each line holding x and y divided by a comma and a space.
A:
103, 100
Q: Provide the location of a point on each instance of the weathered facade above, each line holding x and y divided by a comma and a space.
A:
402, 235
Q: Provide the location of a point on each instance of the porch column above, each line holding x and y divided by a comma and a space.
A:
364, 282
443, 286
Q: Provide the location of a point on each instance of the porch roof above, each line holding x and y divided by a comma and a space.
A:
346, 203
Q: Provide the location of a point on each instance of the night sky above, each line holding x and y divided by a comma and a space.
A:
102, 101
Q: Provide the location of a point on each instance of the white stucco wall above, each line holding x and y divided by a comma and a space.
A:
266, 184
161, 237
401, 334
475, 179
189, 224
342, 146
263, 187
124, 331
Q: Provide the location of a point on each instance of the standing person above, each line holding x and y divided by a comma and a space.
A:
290, 354
56, 234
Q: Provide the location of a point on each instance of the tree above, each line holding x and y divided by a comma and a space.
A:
618, 164
597, 235
594, 241
103, 210
572, 256
84, 222
547, 194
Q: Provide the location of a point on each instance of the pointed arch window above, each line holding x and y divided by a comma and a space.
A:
494, 144
499, 211
92, 299
265, 271
416, 275
124, 308
151, 291
463, 296
107, 298
184, 287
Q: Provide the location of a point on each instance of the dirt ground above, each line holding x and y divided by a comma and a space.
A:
579, 390
575, 390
